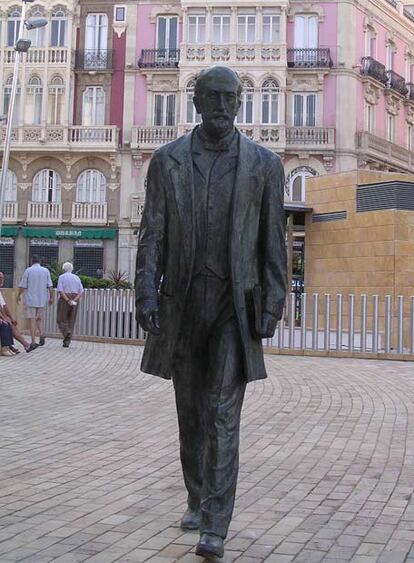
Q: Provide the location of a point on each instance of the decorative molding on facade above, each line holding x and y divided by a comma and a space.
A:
68, 160
137, 160
156, 83
24, 185
114, 161
271, 54
371, 93
370, 23
310, 9
392, 103
119, 28
113, 186
67, 186
328, 161
409, 113
24, 162
165, 10
308, 83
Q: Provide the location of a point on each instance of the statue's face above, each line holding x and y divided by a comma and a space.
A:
218, 102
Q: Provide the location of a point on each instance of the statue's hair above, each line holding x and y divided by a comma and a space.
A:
203, 74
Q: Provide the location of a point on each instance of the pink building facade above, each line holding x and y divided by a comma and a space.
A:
327, 85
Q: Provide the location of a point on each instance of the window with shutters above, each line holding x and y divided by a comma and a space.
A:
164, 110
304, 110
306, 32
93, 108
46, 186
91, 187
167, 33
245, 114
34, 99
13, 27
58, 29
191, 113
10, 193
246, 27
221, 28
270, 101
369, 117
196, 27
271, 27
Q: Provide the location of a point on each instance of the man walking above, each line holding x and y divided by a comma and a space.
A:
210, 284
36, 284
70, 290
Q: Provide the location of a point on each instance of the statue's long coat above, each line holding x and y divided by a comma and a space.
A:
166, 246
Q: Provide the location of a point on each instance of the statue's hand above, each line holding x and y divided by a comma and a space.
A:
268, 327
147, 315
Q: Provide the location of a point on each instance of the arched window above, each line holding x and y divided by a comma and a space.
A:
245, 114
10, 193
34, 99
13, 27
37, 36
270, 101
91, 187
297, 182
46, 186
56, 90
58, 31
191, 113
6, 98
93, 106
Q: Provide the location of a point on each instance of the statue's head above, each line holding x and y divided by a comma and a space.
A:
217, 94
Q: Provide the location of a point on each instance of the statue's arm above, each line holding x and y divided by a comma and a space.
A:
273, 256
151, 248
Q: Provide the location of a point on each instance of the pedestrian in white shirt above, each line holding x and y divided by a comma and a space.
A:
70, 290
36, 284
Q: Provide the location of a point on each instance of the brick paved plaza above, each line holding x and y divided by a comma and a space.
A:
89, 466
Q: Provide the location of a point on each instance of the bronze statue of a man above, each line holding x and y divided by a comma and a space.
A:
210, 284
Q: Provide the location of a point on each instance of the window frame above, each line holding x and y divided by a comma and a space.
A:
93, 189
165, 97
270, 102
94, 106
52, 189
305, 109
200, 28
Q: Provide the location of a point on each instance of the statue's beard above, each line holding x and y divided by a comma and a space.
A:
218, 126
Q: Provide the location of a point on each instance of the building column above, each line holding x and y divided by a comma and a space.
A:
21, 257
65, 251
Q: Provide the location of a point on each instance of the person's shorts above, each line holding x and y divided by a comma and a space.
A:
34, 312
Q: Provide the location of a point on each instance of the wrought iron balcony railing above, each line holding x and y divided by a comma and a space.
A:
397, 83
309, 58
373, 68
393, 3
91, 59
159, 58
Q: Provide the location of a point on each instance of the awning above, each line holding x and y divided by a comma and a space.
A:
9, 230
67, 233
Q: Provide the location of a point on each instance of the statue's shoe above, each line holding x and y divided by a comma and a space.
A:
210, 546
191, 519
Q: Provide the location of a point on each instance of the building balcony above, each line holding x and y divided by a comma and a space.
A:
397, 83
379, 149
159, 58
309, 58
10, 211
409, 14
96, 60
374, 69
241, 52
59, 137
272, 135
152, 137
44, 212
36, 55
89, 213
311, 138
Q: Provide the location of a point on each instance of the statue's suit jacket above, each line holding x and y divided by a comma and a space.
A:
166, 246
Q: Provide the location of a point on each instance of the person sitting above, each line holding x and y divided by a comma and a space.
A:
6, 337
8, 316
70, 290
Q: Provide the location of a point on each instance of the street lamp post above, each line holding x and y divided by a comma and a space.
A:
22, 46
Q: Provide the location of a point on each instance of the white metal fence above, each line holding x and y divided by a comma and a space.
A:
340, 323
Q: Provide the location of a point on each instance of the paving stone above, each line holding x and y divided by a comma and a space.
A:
326, 469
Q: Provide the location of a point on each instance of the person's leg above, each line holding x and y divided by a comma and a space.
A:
62, 313
39, 325
6, 338
19, 337
224, 393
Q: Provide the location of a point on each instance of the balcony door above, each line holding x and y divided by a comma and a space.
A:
91, 187
96, 41
46, 187
167, 38
306, 39
93, 108
164, 110
304, 110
